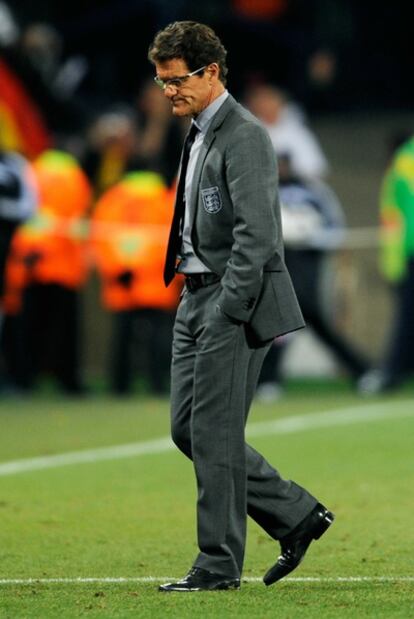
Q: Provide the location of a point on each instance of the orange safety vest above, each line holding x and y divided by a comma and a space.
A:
129, 233
50, 247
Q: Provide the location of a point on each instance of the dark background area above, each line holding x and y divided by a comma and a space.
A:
370, 42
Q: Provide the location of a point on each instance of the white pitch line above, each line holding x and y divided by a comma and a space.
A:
155, 579
114, 452
366, 413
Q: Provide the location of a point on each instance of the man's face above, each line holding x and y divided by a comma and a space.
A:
194, 94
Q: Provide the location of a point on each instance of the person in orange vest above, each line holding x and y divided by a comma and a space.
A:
18, 201
45, 271
129, 230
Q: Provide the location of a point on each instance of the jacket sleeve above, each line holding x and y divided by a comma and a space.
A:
251, 177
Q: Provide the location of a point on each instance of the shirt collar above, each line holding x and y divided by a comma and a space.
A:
205, 117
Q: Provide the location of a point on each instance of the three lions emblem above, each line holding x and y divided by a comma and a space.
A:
211, 200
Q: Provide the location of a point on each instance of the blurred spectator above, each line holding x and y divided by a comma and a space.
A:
397, 267
112, 148
129, 232
313, 226
160, 134
122, 139
287, 130
42, 46
18, 201
45, 272
37, 105
320, 88
9, 29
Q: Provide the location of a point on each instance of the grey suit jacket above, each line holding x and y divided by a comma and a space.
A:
236, 227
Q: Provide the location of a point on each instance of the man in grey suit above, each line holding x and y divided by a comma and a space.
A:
226, 241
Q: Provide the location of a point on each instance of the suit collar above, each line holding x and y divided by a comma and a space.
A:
229, 104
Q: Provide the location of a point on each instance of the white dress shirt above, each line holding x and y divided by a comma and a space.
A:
190, 263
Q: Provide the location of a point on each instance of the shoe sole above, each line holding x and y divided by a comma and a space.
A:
220, 587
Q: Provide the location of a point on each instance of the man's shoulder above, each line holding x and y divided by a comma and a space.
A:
238, 110
237, 119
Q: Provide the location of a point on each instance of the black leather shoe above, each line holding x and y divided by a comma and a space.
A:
199, 579
295, 545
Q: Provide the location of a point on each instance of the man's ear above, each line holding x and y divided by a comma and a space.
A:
214, 70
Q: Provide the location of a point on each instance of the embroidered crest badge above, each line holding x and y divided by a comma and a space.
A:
211, 200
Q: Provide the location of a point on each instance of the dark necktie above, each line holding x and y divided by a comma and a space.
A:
175, 239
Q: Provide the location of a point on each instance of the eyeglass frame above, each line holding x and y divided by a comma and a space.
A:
163, 84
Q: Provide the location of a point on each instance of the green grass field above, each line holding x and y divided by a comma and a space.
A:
69, 531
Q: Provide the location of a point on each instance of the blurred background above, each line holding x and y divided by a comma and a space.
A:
88, 158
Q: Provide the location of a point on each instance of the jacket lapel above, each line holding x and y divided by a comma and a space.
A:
216, 123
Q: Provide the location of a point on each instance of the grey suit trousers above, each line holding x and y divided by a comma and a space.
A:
215, 369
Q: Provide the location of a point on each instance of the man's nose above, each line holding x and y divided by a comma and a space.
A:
170, 90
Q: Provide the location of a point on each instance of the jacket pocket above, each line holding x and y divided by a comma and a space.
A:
277, 310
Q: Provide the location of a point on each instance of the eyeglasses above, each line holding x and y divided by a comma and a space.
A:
176, 82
